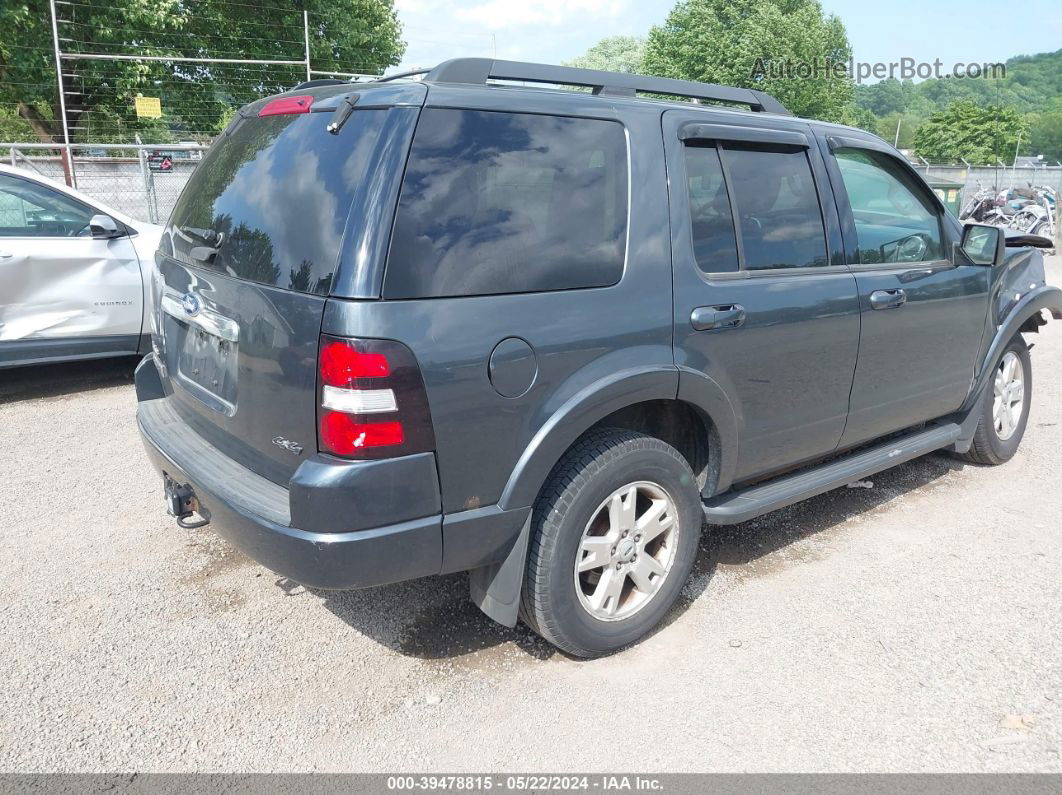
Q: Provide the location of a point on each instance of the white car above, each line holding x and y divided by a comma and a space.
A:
75, 275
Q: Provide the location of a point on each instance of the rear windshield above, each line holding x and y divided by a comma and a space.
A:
277, 190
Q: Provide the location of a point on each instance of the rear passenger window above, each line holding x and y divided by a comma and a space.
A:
497, 202
772, 192
777, 206
711, 221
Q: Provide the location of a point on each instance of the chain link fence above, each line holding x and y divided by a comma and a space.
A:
123, 107
140, 180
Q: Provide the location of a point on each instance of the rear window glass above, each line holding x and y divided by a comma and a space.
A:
278, 189
497, 202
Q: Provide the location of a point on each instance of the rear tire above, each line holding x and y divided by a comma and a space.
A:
615, 532
1004, 408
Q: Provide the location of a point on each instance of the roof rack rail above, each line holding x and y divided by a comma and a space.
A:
400, 75
477, 71
322, 81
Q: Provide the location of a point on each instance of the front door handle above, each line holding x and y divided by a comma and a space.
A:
6, 255
706, 318
887, 299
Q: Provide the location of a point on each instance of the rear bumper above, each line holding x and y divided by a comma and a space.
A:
255, 514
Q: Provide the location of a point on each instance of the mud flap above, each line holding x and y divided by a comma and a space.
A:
495, 589
968, 427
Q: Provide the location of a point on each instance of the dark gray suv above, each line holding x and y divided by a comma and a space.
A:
417, 327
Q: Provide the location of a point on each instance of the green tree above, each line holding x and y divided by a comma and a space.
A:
750, 43
884, 97
981, 134
1045, 137
613, 54
348, 35
855, 116
886, 127
1030, 84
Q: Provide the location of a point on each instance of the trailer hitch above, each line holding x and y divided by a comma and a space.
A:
182, 505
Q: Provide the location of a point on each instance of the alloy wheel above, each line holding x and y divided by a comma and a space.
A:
627, 550
1008, 396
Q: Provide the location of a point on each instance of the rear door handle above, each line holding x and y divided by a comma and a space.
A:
706, 318
887, 299
6, 255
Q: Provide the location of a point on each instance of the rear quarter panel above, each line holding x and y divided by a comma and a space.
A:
580, 337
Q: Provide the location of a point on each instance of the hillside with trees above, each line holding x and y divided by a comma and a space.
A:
983, 120
1028, 98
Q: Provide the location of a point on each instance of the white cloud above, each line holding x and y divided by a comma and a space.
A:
498, 14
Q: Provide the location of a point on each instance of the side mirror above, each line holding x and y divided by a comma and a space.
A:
103, 227
983, 244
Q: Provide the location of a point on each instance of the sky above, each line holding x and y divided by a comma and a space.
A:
551, 31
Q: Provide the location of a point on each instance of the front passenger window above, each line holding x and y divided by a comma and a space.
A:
28, 209
894, 218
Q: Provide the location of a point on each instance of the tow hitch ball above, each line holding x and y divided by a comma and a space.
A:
182, 504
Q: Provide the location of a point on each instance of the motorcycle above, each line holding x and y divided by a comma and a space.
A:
1037, 216
979, 205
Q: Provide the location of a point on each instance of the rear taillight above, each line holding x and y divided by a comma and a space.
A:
371, 400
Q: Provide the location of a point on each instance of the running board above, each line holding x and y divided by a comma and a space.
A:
749, 503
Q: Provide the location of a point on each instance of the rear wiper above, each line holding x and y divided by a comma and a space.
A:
212, 238
206, 235
342, 113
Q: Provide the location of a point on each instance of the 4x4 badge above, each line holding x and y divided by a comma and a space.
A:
287, 444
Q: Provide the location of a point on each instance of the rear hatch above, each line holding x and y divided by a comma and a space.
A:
252, 249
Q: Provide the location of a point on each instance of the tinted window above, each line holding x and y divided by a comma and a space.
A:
711, 221
778, 208
279, 189
895, 219
509, 203
29, 209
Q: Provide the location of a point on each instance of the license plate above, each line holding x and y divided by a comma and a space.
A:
206, 364
202, 351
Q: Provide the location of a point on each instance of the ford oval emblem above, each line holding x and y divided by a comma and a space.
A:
191, 305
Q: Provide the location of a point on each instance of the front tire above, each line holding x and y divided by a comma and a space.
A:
1004, 408
1043, 227
614, 536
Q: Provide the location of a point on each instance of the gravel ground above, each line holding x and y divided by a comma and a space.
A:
914, 626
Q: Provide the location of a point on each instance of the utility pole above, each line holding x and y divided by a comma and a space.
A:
306, 38
896, 143
68, 159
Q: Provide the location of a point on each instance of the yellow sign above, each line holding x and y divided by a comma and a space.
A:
148, 108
